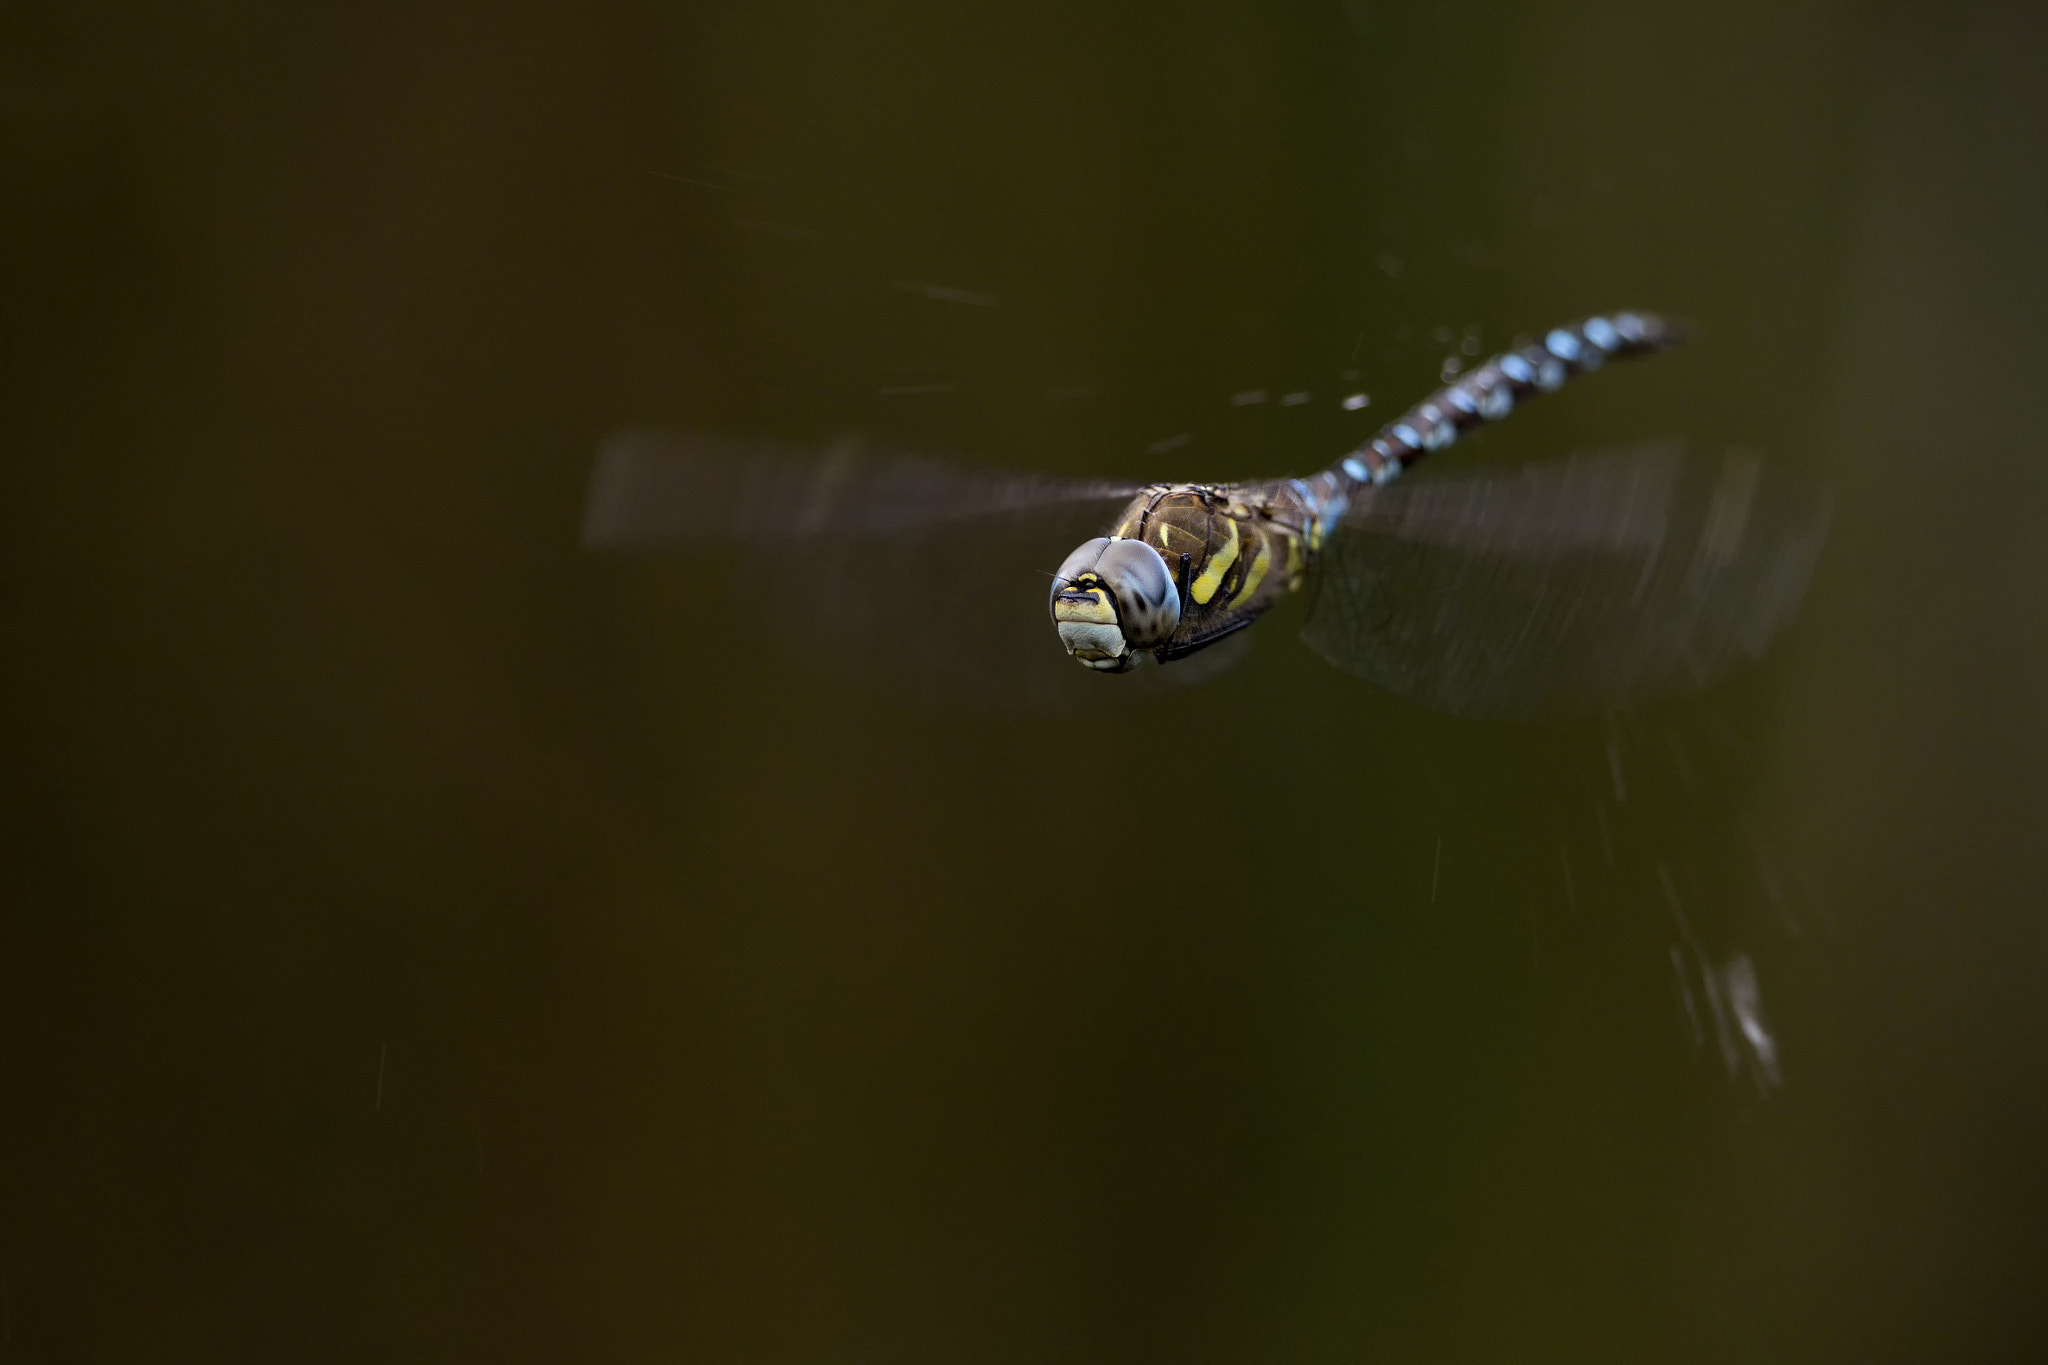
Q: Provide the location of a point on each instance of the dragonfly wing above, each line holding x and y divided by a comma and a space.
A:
654, 488
921, 575
1589, 583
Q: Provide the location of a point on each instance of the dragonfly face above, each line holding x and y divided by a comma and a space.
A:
1113, 598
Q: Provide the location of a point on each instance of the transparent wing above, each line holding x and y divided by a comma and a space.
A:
1593, 582
922, 575
654, 488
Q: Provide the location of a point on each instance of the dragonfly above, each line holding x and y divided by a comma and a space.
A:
1592, 582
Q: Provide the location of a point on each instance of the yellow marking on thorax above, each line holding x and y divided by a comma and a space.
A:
1296, 562
1262, 559
1211, 577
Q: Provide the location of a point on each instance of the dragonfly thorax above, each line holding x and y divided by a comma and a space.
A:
1112, 598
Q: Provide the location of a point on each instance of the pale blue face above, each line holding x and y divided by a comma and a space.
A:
1111, 598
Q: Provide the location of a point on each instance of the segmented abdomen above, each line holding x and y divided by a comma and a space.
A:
1494, 389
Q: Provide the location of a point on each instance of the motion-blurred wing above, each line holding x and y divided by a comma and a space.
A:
1593, 582
920, 574
652, 489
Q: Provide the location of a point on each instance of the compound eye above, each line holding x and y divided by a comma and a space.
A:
1148, 602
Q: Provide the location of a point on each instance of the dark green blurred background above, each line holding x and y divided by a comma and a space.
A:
420, 945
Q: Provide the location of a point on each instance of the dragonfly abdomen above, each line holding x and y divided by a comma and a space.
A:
1496, 388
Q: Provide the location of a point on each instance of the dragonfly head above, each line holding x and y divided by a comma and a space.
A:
1113, 598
